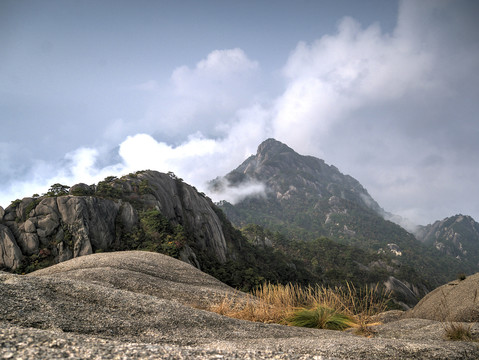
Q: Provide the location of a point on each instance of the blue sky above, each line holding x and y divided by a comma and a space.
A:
384, 90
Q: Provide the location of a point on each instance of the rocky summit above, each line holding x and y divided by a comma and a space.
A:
139, 305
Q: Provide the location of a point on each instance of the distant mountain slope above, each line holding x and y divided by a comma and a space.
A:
305, 198
456, 236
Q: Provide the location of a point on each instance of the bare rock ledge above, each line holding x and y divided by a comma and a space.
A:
138, 305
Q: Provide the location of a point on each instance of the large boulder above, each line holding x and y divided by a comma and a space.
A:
10, 254
142, 272
455, 301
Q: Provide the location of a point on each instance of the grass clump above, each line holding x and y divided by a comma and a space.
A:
320, 317
458, 331
318, 307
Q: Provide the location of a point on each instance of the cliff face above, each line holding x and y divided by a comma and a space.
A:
52, 229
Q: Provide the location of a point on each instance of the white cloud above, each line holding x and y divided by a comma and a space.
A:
206, 96
235, 194
379, 105
395, 110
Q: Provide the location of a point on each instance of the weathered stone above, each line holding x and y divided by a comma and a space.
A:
400, 288
188, 256
90, 219
47, 225
21, 209
144, 299
182, 204
10, 254
64, 252
9, 215
128, 217
30, 226
71, 226
455, 301
28, 243
2, 212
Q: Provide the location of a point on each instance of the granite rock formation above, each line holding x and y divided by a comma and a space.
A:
52, 229
79, 309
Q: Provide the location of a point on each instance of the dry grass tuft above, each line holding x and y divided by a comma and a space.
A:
280, 303
458, 331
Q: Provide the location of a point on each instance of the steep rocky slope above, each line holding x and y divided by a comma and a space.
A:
57, 313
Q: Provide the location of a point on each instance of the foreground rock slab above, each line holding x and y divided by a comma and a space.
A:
457, 300
137, 305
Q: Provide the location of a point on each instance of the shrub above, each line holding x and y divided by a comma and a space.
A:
58, 190
320, 317
461, 276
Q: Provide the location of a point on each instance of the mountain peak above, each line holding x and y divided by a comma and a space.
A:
272, 146
289, 176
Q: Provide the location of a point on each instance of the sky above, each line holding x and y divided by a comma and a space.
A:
387, 91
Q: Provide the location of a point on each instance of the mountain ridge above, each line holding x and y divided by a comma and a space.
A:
305, 199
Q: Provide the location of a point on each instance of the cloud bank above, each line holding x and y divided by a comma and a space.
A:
394, 110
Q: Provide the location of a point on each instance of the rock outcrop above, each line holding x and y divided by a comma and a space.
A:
10, 254
145, 273
51, 229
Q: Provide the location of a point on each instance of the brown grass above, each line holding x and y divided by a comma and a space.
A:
458, 331
276, 303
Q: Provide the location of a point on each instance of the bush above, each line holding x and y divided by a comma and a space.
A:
58, 190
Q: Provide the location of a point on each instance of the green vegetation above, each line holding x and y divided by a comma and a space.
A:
155, 233
302, 220
30, 207
320, 317
35, 262
110, 187
57, 190
15, 203
81, 191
